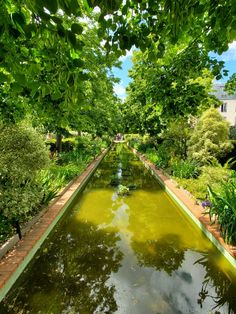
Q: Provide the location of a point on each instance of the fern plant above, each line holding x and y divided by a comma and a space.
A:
223, 206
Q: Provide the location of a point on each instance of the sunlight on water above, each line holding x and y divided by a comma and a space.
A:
132, 254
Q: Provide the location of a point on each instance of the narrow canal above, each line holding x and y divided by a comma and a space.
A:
134, 254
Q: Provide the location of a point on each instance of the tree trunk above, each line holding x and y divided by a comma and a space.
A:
16, 225
58, 142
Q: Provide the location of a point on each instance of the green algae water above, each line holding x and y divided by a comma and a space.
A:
132, 254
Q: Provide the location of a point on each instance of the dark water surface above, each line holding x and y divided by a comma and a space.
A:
135, 254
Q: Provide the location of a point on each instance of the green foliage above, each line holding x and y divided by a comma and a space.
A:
230, 86
74, 157
122, 190
167, 87
20, 202
133, 140
58, 58
151, 154
212, 176
147, 144
67, 144
23, 155
163, 154
185, 169
51, 185
173, 23
223, 206
6, 228
176, 136
210, 139
232, 132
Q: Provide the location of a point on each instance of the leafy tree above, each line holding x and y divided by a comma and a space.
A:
22, 156
177, 135
167, 87
230, 86
210, 138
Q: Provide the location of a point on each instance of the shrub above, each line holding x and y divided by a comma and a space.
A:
82, 143
67, 144
6, 228
51, 184
232, 132
89, 146
147, 144
22, 155
122, 190
75, 157
212, 176
210, 138
163, 156
176, 136
151, 154
20, 202
133, 140
223, 205
185, 169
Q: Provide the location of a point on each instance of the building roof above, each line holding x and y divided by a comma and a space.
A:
218, 91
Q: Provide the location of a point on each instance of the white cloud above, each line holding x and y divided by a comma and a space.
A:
120, 90
129, 53
230, 54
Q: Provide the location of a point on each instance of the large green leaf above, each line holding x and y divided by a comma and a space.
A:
3, 77
13, 32
71, 37
2, 28
19, 19
51, 5
78, 63
76, 28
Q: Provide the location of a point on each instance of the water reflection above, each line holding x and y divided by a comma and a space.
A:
163, 254
71, 275
135, 254
225, 287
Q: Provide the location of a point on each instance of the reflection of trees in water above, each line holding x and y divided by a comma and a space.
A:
224, 288
107, 176
70, 274
163, 254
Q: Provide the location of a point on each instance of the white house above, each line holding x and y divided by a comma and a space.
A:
228, 107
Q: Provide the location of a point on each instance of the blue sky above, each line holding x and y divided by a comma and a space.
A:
123, 75
229, 57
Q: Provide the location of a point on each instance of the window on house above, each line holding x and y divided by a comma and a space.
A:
223, 107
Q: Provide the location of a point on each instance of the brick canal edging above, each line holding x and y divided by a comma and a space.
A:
194, 210
15, 261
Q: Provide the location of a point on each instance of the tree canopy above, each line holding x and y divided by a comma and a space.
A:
55, 69
55, 57
167, 87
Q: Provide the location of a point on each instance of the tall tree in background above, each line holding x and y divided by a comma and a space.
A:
167, 87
